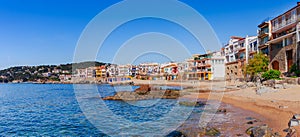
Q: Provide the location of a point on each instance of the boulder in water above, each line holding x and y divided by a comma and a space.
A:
175, 134
192, 104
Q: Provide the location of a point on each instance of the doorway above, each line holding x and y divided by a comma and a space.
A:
275, 65
289, 56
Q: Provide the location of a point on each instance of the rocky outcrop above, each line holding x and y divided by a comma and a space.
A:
144, 93
261, 131
192, 104
251, 84
292, 81
143, 89
264, 89
209, 132
272, 86
175, 134
269, 83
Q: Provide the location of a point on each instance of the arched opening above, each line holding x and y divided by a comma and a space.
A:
275, 65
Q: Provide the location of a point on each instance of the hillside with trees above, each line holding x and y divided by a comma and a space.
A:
43, 72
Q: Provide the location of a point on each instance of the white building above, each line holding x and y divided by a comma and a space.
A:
218, 66
237, 54
124, 70
113, 70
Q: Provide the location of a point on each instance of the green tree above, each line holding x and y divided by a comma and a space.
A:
257, 65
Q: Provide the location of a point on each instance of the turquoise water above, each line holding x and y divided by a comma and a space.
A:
53, 110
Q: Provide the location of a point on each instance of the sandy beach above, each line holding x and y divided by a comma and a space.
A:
274, 109
277, 108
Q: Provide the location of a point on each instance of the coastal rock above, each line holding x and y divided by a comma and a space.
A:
144, 93
292, 81
251, 84
263, 89
175, 134
143, 89
269, 83
171, 94
192, 104
285, 85
243, 86
258, 84
221, 111
278, 86
212, 132
249, 131
283, 107
250, 123
261, 131
209, 132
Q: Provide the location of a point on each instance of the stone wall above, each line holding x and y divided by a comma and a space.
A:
280, 57
234, 70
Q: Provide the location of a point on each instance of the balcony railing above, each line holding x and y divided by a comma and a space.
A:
202, 65
284, 24
262, 32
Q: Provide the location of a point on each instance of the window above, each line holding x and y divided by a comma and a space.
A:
275, 24
265, 40
289, 41
265, 51
242, 56
255, 45
265, 29
283, 20
294, 15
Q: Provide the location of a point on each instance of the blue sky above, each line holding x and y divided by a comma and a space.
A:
34, 32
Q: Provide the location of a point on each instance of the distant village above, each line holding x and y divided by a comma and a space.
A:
277, 38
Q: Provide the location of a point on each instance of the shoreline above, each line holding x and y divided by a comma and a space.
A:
274, 109
234, 122
276, 112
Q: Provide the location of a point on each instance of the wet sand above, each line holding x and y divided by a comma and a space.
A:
232, 123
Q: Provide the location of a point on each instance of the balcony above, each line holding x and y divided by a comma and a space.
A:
263, 33
236, 51
284, 24
203, 65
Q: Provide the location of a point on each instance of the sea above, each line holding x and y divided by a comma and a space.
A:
78, 110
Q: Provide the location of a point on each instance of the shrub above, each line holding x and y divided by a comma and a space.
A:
271, 74
294, 69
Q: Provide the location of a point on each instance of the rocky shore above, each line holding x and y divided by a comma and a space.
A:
228, 121
145, 92
276, 106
